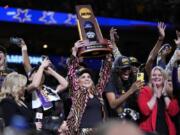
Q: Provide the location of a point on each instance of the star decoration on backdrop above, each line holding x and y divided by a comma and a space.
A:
22, 15
48, 17
71, 19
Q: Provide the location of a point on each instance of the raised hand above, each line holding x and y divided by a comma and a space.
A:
113, 35
177, 41
161, 28
45, 63
49, 70
77, 45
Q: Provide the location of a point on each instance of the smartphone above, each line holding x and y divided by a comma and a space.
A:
140, 76
44, 56
15, 41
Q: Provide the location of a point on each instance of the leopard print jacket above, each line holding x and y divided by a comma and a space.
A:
80, 95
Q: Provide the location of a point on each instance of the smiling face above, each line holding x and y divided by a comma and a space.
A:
85, 80
157, 78
2, 58
125, 73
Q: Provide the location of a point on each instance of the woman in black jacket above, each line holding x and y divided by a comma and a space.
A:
12, 103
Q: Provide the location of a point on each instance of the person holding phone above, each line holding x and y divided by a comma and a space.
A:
43, 96
140, 76
156, 106
45, 99
121, 90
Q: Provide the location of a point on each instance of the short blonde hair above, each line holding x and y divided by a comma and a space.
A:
12, 85
163, 72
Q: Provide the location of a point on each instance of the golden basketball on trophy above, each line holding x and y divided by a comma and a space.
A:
89, 30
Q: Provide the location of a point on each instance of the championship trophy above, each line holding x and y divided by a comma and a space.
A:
89, 30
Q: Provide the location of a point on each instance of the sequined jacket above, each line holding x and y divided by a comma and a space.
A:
80, 95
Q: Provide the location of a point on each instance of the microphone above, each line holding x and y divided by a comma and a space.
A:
39, 117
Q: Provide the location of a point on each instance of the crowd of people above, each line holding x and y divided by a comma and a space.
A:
141, 99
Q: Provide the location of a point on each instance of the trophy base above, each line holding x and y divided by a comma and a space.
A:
94, 50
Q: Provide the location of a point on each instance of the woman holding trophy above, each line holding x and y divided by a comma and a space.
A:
87, 108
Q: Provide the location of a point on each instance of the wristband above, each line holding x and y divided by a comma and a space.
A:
24, 48
164, 96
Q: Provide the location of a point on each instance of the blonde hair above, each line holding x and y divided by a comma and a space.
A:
163, 72
12, 85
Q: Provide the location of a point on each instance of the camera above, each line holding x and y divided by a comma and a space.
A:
15, 41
